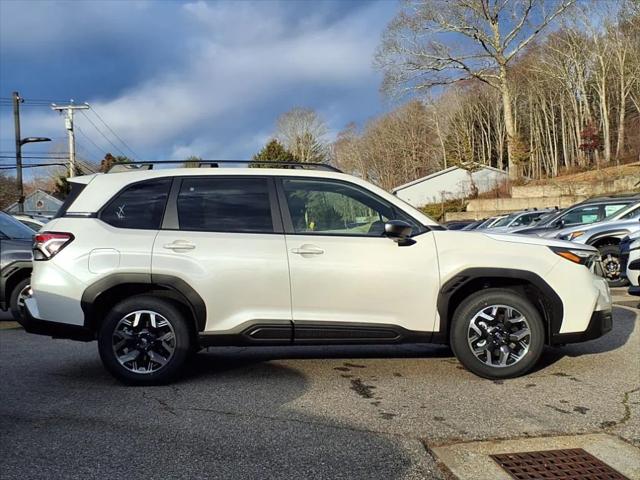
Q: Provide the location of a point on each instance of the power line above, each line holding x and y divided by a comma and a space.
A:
81, 132
114, 133
101, 133
35, 165
36, 157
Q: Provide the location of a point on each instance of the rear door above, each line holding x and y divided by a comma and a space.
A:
223, 236
348, 281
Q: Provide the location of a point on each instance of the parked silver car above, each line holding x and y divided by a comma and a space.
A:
606, 236
515, 220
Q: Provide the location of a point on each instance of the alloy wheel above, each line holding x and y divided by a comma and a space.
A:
611, 267
144, 341
499, 336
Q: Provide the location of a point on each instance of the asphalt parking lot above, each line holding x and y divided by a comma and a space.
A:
313, 412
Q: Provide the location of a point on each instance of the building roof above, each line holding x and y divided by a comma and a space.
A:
444, 172
37, 196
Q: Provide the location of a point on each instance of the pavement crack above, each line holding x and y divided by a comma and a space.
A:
163, 403
627, 411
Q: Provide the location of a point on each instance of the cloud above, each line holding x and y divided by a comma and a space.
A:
240, 65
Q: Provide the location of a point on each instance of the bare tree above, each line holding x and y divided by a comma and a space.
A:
303, 132
439, 42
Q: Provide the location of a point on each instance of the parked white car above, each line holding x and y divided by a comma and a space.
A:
159, 263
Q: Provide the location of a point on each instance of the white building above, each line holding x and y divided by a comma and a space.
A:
450, 183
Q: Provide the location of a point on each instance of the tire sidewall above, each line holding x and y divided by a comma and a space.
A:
476, 302
183, 343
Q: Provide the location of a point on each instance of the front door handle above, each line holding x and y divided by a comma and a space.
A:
179, 245
307, 250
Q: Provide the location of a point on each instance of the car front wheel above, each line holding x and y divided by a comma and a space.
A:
497, 334
612, 266
144, 341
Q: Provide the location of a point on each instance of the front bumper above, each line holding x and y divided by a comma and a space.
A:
34, 325
601, 322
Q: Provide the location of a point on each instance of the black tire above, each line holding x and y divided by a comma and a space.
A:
181, 343
14, 299
611, 253
472, 305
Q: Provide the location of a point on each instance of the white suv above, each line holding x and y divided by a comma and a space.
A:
156, 264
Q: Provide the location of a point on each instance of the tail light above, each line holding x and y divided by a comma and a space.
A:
46, 245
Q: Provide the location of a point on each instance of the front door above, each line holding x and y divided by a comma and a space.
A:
349, 281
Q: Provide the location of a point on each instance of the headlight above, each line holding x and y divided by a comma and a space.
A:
576, 255
574, 235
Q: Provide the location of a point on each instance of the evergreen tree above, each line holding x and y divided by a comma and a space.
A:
273, 151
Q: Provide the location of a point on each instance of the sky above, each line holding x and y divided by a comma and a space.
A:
180, 78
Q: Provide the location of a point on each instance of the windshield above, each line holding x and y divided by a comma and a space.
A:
551, 217
13, 229
629, 212
503, 222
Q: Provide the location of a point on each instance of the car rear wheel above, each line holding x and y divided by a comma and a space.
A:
497, 334
17, 298
144, 341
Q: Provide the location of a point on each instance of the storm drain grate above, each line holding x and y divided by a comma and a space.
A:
565, 464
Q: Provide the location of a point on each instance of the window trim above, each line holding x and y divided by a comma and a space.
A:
288, 223
171, 221
99, 213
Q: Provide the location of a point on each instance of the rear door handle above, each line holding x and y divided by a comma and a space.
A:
307, 250
180, 245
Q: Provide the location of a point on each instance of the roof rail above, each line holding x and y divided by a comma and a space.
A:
148, 165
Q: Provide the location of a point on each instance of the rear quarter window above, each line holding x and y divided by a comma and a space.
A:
76, 189
139, 206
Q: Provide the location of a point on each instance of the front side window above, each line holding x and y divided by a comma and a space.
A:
582, 215
327, 207
139, 206
225, 205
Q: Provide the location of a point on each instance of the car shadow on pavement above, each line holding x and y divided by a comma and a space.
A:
228, 418
230, 355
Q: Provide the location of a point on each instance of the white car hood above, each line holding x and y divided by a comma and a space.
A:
535, 240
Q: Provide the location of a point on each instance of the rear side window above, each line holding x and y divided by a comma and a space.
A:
139, 206
225, 205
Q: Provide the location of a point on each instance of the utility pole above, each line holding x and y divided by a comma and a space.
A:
16, 123
68, 122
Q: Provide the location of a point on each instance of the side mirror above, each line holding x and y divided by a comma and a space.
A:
399, 231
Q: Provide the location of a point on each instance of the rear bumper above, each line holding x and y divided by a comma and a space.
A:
601, 323
634, 291
54, 329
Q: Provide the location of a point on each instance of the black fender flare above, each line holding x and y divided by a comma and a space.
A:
613, 234
552, 304
166, 282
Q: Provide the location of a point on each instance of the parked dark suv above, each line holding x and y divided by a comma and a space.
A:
16, 241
